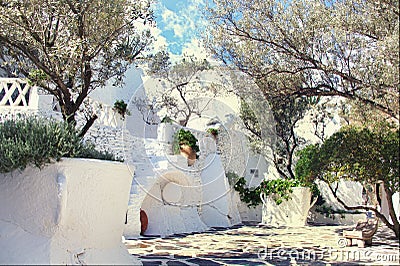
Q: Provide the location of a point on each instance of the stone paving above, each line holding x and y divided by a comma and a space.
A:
259, 245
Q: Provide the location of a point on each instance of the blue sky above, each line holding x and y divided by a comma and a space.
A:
178, 21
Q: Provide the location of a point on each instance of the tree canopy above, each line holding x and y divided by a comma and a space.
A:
345, 48
357, 154
71, 47
183, 85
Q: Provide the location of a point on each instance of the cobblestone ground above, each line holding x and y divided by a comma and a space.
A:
254, 245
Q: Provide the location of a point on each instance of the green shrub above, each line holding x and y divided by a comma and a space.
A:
39, 141
278, 189
212, 131
185, 137
167, 119
122, 108
89, 151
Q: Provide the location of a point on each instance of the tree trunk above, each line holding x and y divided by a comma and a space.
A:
392, 213
394, 227
87, 126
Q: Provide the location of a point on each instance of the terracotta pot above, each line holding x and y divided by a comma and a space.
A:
144, 221
189, 153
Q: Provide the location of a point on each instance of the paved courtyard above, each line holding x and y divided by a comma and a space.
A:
253, 245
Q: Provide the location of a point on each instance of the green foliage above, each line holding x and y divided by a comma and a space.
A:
307, 156
364, 155
88, 150
71, 47
181, 97
122, 108
278, 189
357, 154
185, 137
167, 119
270, 40
36, 76
249, 119
212, 131
251, 196
287, 112
39, 141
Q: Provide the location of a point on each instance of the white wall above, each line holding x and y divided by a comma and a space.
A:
133, 87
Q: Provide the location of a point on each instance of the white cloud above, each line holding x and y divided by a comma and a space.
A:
194, 48
173, 22
179, 30
166, 13
184, 21
160, 41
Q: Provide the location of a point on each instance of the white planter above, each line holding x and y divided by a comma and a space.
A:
292, 212
70, 212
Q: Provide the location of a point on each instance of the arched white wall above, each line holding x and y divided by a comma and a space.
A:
167, 218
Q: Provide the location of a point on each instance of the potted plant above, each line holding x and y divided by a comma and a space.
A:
285, 201
60, 203
186, 143
122, 108
213, 132
167, 119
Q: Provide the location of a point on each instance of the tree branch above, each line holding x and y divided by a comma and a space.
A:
360, 207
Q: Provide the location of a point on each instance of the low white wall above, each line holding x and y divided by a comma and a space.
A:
348, 191
217, 209
337, 219
247, 214
70, 212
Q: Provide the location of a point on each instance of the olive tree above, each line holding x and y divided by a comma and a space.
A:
71, 47
346, 48
183, 87
368, 156
281, 147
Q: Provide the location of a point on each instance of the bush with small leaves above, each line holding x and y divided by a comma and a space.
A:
39, 141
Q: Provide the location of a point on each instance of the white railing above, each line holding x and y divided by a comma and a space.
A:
106, 115
18, 97
109, 117
14, 92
